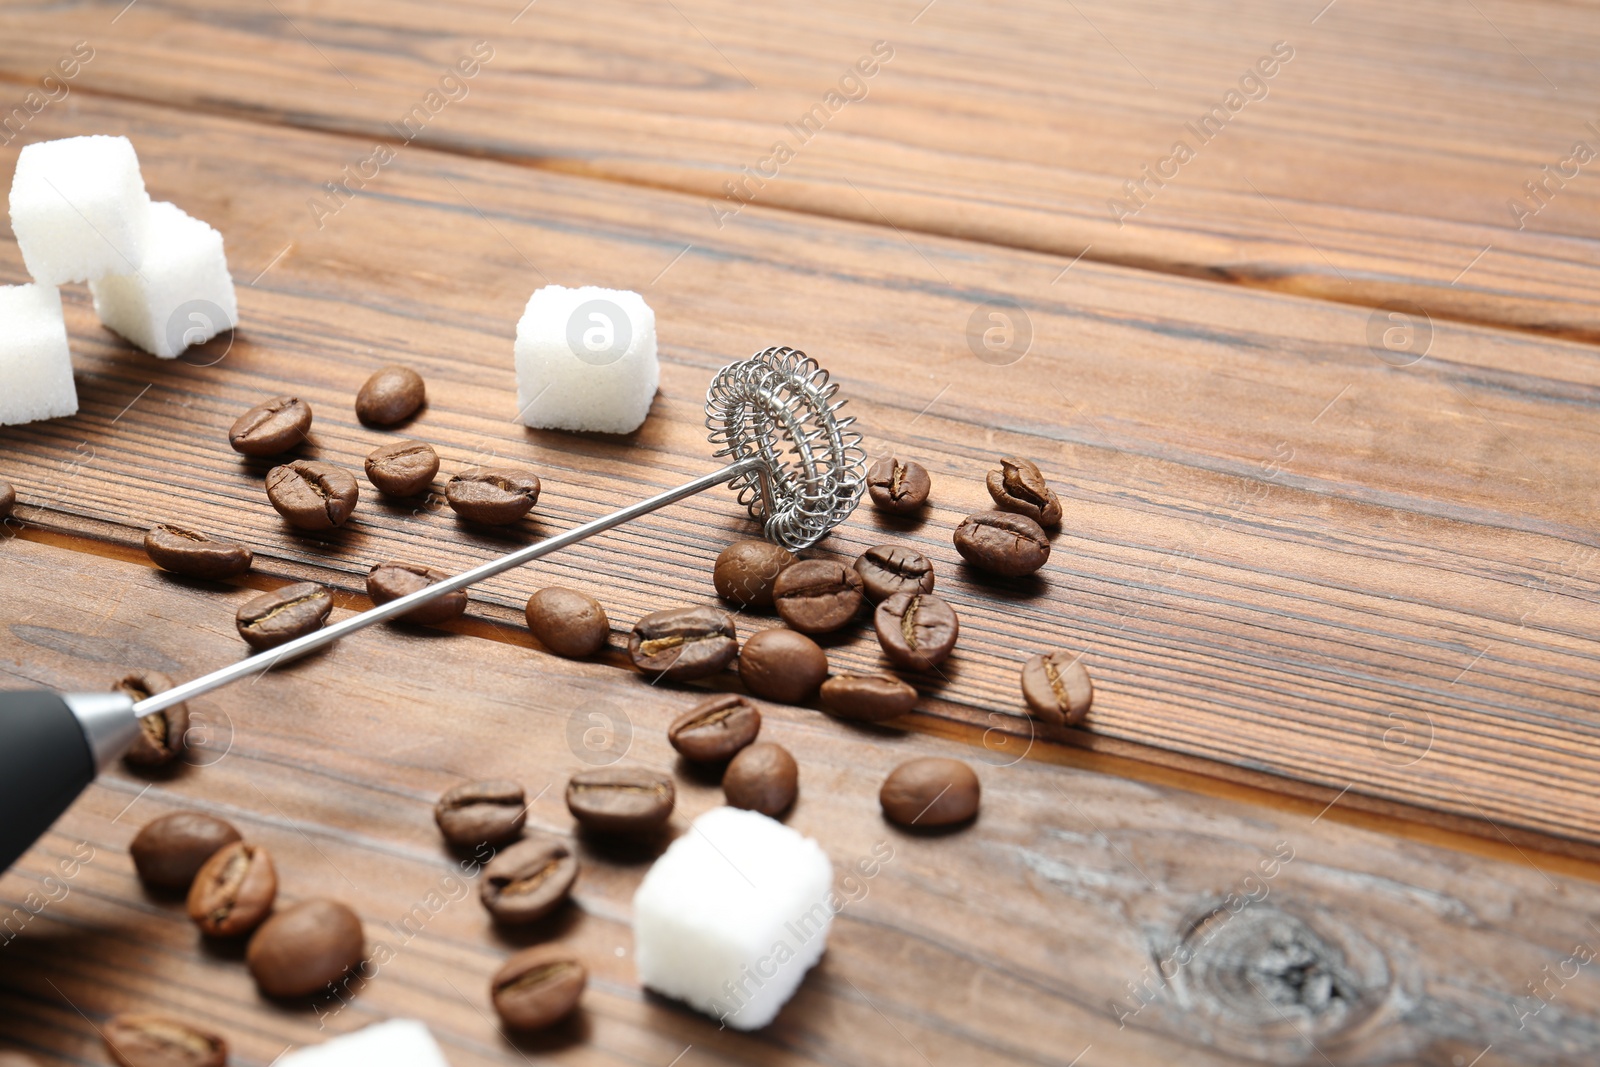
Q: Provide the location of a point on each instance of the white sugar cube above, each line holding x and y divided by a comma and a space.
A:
77, 208
35, 366
182, 296
732, 915
398, 1043
586, 360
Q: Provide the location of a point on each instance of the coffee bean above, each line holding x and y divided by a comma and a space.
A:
683, 643
8, 499
620, 800
1002, 543
1057, 687
270, 428
157, 1041
746, 570
890, 569
17, 1059
713, 730
917, 630
234, 891
195, 555
305, 949
170, 851
311, 495
867, 697
898, 486
404, 468
528, 881
481, 813
816, 596
782, 665
762, 777
537, 987
391, 395
393, 580
163, 736
1019, 486
567, 622
930, 792
493, 497
284, 614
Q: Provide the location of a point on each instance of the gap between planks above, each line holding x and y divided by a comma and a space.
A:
1366, 297
1542, 852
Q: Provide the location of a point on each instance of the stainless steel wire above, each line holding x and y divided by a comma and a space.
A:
779, 406
796, 464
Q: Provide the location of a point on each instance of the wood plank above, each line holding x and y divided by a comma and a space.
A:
1019, 940
1283, 554
1380, 165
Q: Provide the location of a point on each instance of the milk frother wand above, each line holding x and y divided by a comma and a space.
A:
795, 463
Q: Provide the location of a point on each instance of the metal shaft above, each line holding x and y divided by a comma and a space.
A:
329, 634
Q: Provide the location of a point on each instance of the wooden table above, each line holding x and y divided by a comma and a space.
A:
1318, 394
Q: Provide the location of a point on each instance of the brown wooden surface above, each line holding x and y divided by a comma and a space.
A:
1283, 554
1378, 167
1328, 601
1011, 942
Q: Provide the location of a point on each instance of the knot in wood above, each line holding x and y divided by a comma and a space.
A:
1272, 985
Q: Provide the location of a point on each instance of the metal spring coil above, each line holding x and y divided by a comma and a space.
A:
779, 405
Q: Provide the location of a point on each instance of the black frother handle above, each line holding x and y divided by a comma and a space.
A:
45, 762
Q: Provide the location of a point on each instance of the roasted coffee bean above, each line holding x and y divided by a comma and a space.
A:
194, 555
157, 1041
762, 777
311, 495
305, 949
890, 569
930, 792
481, 813
620, 800
283, 614
746, 570
867, 697
17, 1059
713, 730
537, 987
163, 736
8, 499
493, 497
391, 395
528, 881
1019, 486
782, 665
234, 891
567, 622
898, 485
917, 630
393, 580
404, 468
1057, 687
1003, 543
817, 595
270, 428
170, 851
683, 643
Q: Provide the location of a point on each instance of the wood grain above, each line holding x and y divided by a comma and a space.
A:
1379, 166
1283, 554
1020, 940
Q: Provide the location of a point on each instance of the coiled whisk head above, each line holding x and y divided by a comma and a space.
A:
778, 406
